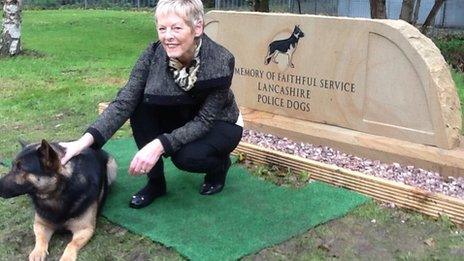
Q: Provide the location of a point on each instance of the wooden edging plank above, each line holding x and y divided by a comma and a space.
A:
392, 190
432, 208
304, 164
432, 204
318, 173
403, 199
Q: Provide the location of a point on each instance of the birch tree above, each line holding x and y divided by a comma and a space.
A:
10, 41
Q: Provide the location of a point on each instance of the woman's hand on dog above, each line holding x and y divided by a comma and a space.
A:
73, 148
146, 158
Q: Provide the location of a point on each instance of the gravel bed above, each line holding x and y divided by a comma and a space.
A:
410, 175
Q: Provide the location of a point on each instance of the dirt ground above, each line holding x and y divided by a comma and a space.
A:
373, 232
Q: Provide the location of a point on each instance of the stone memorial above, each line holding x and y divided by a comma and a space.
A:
374, 88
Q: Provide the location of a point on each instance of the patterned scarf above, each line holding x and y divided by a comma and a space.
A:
186, 77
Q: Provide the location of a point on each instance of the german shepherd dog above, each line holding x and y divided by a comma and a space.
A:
65, 197
286, 46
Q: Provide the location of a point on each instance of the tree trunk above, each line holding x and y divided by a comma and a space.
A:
299, 6
431, 16
406, 10
10, 42
378, 10
416, 12
261, 6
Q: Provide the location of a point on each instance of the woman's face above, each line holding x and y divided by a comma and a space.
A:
177, 37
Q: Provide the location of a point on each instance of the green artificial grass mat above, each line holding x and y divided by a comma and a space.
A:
248, 215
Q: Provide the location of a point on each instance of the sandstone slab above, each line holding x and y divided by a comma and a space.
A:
379, 77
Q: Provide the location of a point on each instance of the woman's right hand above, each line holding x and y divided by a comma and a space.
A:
73, 148
146, 158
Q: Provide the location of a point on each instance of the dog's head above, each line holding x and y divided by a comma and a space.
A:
34, 171
297, 32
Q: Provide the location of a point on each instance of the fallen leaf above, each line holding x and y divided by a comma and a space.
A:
430, 242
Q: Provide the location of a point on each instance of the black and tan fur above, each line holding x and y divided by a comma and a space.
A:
285, 46
65, 197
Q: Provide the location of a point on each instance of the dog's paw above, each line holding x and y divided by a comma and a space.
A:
38, 255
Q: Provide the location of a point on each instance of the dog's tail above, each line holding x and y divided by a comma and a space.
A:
112, 169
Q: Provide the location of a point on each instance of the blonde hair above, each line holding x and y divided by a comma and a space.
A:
190, 10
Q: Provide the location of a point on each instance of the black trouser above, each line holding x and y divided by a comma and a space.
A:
207, 154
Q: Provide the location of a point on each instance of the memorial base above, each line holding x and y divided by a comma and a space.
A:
388, 150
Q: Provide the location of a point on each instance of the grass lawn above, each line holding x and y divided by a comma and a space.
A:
76, 59
459, 80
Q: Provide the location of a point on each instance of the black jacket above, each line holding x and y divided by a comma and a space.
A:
151, 82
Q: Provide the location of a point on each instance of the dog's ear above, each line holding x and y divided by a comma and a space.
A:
23, 143
49, 156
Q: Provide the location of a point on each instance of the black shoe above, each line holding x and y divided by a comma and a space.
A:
214, 182
145, 197
210, 189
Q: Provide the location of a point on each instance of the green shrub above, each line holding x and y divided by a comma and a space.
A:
452, 48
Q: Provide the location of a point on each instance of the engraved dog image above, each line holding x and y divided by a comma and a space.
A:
65, 197
285, 46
